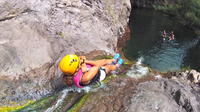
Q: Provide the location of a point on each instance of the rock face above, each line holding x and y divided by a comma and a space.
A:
189, 76
151, 93
161, 95
35, 34
165, 96
113, 98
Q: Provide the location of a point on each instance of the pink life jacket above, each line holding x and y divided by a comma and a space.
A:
78, 75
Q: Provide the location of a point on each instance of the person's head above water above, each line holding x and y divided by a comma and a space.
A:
69, 64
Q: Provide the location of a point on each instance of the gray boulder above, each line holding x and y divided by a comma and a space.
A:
165, 96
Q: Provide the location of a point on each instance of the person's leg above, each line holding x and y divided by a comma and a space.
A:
104, 61
109, 68
101, 62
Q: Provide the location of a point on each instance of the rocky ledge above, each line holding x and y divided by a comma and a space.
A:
177, 93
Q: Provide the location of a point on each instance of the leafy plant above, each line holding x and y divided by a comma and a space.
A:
186, 11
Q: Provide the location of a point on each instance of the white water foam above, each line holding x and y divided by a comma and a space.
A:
139, 61
64, 94
137, 70
59, 101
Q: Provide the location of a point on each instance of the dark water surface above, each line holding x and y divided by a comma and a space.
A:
146, 42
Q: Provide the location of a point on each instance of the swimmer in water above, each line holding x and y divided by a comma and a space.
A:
164, 35
172, 35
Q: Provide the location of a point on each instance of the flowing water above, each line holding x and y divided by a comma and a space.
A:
163, 55
57, 102
137, 70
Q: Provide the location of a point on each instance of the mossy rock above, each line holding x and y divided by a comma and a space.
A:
15, 107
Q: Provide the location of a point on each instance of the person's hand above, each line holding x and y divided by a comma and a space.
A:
82, 57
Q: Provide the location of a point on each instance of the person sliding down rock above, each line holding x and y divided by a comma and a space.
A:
82, 72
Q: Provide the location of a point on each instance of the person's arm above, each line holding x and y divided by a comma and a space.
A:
83, 60
89, 75
83, 67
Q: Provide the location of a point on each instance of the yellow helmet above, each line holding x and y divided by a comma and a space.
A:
69, 64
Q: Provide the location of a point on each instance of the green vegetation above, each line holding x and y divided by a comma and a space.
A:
185, 68
15, 106
76, 107
102, 57
39, 105
185, 11
60, 34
